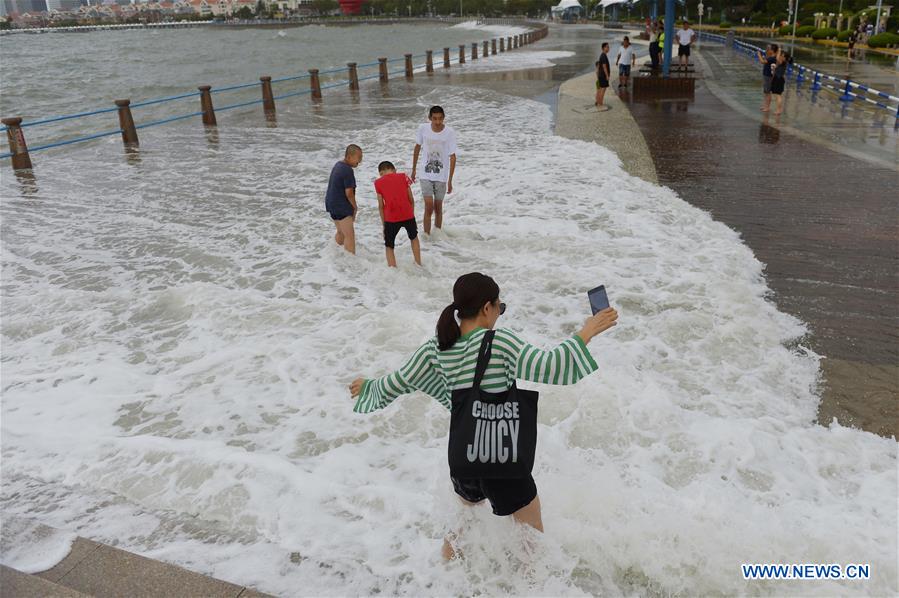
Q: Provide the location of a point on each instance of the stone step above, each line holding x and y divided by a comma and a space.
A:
94, 569
21, 585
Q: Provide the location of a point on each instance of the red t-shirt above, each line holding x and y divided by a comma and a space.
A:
394, 188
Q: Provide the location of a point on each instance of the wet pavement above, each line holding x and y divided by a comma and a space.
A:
825, 224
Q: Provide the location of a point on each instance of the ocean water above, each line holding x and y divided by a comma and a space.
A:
179, 331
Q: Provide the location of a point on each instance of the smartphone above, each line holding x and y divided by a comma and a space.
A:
598, 299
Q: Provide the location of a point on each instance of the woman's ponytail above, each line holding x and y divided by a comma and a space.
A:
447, 328
470, 293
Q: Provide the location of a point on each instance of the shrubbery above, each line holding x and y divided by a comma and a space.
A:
725, 25
805, 31
825, 33
843, 36
785, 30
882, 40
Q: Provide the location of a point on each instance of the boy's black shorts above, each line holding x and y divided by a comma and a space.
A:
505, 496
392, 229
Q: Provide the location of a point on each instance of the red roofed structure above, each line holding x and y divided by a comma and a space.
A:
350, 7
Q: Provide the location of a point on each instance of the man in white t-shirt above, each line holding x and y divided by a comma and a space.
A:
685, 37
627, 57
437, 142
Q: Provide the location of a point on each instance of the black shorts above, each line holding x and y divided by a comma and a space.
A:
335, 216
505, 496
683, 50
392, 229
602, 83
777, 85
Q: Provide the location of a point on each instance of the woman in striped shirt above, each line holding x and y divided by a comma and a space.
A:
447, 362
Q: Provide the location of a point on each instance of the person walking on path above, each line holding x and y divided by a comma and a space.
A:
439, 144
603, 74
447, 362
397, 207
685, 37
627, 57
779, 79
853, 38
768, 59
340, 198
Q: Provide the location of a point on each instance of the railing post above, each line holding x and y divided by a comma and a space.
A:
516, 40
800, 77
268, 99
462, 54
846, 97
493, 46
502, 44
354, 76
429, 61
382, 70
509, 43
126, 124
314, 84
446, 59
17, 147
408, 66
486, 49
816, 85
206, 105
474, 51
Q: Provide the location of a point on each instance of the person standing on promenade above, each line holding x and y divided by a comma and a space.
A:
654, 44
767, 59
779, 79
627, 57
340, 198
685, 37
603, 74
853, 37
439, 144
467, 355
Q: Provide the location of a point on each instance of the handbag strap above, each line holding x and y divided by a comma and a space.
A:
483, 358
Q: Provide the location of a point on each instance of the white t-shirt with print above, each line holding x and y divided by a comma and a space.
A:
625, 55
685, 36
436, 149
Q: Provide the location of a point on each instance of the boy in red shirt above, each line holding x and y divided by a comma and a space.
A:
396, 205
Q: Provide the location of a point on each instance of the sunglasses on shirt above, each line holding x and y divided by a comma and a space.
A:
502, 308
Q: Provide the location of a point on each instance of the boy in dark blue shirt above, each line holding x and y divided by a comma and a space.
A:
340, 199
767, 59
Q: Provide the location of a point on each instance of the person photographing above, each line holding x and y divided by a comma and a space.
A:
471, 369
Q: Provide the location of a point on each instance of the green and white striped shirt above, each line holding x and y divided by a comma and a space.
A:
438, 373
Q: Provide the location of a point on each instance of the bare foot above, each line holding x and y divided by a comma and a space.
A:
778, 111
448, 553
764, 109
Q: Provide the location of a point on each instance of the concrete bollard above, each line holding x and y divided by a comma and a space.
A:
408, 66
502, 44
354, 76
462, 54
382, 70
17, 147
446, 59
126, 124
485, 51
474, 51
314, 84
206, 106
268, 99
429, 61
493, 47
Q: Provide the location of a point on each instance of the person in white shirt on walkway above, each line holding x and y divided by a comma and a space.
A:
627, 57
685, 37
438, 142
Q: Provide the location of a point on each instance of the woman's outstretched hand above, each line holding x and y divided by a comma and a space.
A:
602, 321
356, 387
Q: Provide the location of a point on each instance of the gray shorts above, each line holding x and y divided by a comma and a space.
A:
434, 189
767, 85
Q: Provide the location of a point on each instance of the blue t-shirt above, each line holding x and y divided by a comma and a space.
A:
342, 178
766, 70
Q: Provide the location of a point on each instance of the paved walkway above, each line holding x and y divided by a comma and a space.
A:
825, 224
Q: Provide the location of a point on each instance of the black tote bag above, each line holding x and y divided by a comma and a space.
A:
492, 435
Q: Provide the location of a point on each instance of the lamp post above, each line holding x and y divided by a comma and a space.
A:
795, 18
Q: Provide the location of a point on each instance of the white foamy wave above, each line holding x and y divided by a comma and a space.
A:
178, 340
513, 61
501, 30
30, 547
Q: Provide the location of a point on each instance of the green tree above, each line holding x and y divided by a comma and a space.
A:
323, 6
245, 12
